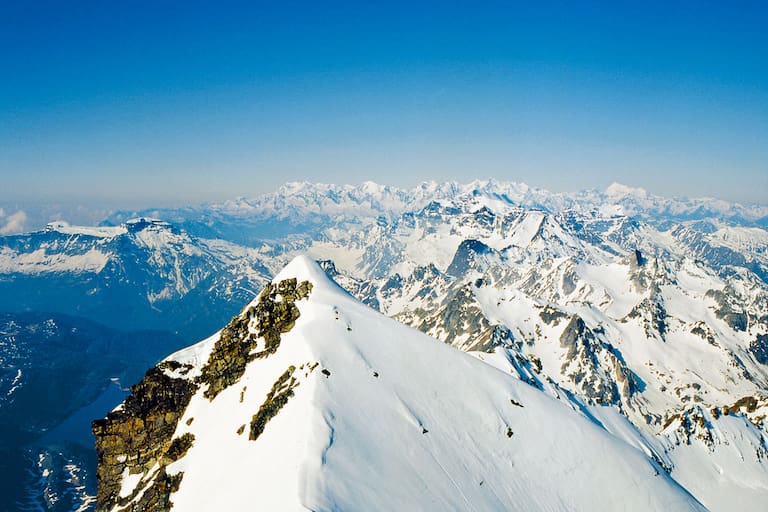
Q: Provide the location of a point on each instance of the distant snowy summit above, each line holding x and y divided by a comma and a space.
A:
369, 198
309, 400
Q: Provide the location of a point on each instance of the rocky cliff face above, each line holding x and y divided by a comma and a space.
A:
137, 440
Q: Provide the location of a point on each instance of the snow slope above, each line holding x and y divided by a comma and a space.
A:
384, 417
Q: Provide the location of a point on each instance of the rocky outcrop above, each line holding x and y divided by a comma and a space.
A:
278, 396
274, 313
692, 424
137, 438
552, 316
471, 255
727, 311
595, 367
759, 348
459, 321
652, 315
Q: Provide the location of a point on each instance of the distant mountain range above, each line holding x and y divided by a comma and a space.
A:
648, 315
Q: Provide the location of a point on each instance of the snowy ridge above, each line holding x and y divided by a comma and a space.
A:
297, 200
145, 273
385, 418
609, 310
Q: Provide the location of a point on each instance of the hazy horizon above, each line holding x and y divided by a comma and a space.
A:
132, 106
22, 216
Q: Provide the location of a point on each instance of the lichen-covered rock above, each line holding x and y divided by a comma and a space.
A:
274, 313
158, 497
138, 436
276, 399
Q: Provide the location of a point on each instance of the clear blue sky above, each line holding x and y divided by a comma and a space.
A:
160, 103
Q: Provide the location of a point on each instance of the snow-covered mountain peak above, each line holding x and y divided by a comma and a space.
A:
133, 225
617, 190
66, 228
139, 223
304, 268
309, 400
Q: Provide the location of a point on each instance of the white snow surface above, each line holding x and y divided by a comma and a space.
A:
403, 422
41, 261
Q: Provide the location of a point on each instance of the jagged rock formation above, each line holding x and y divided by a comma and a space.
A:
136, 441
273, 314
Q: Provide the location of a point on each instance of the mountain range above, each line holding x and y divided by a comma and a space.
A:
647, 317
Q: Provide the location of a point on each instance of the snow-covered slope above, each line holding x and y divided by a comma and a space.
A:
346, 409
145, 273
608, 311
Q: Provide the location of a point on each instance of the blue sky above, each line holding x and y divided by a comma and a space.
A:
135, 104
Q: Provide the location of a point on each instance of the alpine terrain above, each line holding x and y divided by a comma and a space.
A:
645, 316
309, 400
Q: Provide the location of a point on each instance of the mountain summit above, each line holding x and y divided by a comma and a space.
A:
309, 400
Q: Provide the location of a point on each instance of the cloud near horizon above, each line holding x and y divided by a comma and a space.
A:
12, 223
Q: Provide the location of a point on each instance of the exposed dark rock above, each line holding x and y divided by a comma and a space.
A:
175, 366
570, 280
583, 367
329, 267
157, 497
693, 425
704, 332
273, 317
748, 402
728, 312
536, 362
276, 399
421, 273
639, 258
653, 315
392, 285
484, 217
759, 348
179, 447
138, 435
468, 256
552, 316
460, 315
